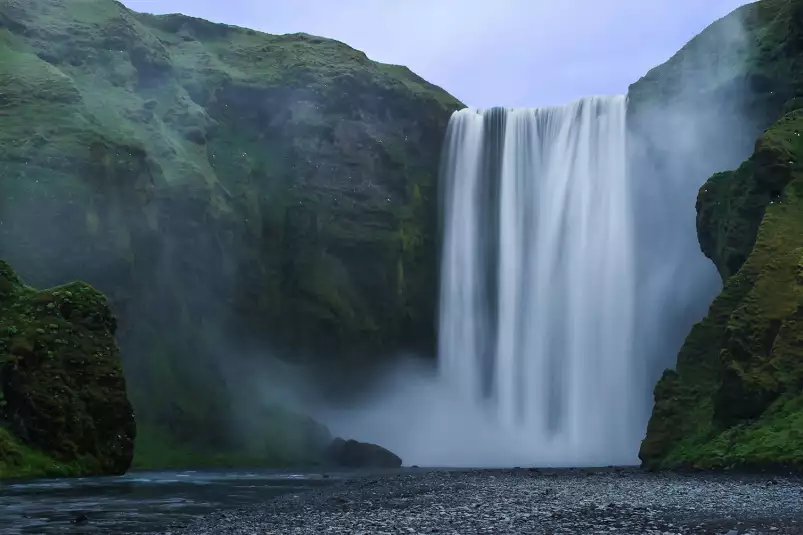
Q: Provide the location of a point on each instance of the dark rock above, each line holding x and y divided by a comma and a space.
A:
354, 454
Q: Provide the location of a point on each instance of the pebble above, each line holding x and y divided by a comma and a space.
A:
502, 502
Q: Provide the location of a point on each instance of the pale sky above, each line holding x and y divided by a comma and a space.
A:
487, 52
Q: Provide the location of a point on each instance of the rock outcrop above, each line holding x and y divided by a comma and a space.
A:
229, 191
355, 454
735, 398
63, 403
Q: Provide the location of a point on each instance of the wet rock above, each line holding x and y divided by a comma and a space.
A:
354, 454
514, 503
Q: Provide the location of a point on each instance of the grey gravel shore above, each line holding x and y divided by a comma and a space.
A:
524, 501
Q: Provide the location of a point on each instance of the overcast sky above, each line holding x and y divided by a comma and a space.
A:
487, 52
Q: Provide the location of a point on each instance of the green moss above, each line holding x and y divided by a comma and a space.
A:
735, 399
274, 437
20, 461
158, 449
63, 404
223, 187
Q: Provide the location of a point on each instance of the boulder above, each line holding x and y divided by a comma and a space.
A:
354, 454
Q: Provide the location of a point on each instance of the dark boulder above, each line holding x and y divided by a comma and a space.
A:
354, 454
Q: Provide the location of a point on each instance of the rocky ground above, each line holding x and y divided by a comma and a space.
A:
524, 501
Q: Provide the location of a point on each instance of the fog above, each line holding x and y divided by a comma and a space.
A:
171, 281
699, 121
414, 413
707, 124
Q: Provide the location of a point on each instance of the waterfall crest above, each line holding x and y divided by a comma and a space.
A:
537, 277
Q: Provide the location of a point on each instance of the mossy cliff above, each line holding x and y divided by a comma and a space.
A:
735, 398
226, 189
63, 403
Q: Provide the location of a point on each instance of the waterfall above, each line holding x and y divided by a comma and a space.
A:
537, 278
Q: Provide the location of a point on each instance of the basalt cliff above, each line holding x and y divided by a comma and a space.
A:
735, 397
237, 196
243, 198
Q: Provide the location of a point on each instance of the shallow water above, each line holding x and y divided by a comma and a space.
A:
137, 502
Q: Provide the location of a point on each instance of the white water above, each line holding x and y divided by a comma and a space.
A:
537, 298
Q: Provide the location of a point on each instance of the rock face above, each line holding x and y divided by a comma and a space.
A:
697, 114
226, 189
63, 402
354, 454
735, 398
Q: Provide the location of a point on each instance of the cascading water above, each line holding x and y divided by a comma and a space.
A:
537, 293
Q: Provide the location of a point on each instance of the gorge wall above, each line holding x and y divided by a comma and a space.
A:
229, 191
734, 397
239, 196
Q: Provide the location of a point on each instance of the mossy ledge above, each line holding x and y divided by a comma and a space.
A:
735, 398
63, 404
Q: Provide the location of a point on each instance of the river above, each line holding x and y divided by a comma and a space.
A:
139, 501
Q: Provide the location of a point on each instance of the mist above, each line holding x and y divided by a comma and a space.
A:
181, 266
413, 412
677, 139
686, 120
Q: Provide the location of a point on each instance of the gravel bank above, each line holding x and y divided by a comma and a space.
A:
527, 502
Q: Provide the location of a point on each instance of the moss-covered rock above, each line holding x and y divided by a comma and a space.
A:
227, 190
734, 396
63, 403
698, 114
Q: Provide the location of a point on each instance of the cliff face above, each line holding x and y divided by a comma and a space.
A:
63, 403
225, 189
735, 398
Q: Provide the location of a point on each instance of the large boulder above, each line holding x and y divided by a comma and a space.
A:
354, 454
63, 402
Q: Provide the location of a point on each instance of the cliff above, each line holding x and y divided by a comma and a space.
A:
228, 190
63, 403
735, 397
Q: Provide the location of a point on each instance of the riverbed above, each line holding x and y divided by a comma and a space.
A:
527, 502
141, 501
408, 501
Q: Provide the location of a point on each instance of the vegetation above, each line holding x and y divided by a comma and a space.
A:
232, 191
227, 190
735, 399
63, 403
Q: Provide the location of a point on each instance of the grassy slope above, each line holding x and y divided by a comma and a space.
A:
225, 188
736, 396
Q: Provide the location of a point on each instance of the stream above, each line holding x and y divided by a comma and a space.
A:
139, 501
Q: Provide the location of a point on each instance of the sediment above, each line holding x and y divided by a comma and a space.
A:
525, 501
